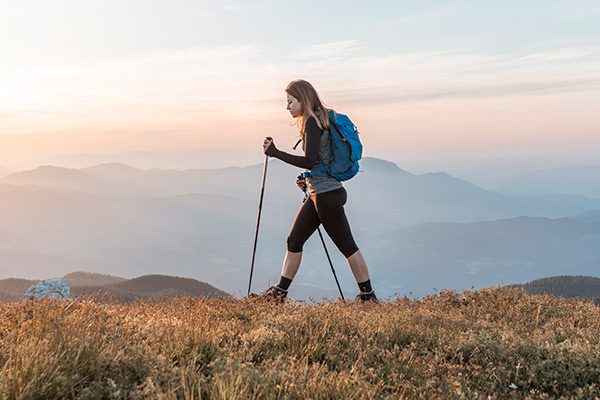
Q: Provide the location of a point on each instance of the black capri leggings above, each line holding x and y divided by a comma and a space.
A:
326, 208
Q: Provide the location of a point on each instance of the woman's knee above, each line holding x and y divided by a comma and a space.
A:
294, 244
348, 249
340, 233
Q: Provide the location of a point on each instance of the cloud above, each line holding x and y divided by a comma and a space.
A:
236, 83
326, 52
564, 54
387, 95
428, 15
236, 8
454, 73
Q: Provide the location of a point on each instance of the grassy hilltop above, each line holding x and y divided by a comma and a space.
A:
494, 343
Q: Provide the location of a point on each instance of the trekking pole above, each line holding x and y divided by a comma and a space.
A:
262, 192
327, 254
331, 264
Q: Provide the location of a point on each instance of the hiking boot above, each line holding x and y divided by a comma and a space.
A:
364, 297
274, 293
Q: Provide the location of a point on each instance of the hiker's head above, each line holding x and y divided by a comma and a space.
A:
304, 101
294, 106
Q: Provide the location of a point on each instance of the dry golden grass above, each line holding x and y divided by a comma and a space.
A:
495, 343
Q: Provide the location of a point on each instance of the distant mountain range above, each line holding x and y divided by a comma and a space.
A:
580, 180
565, 286
455, 255
180, 159
391, 193
120, 289
418, 232
81, 278
590, 216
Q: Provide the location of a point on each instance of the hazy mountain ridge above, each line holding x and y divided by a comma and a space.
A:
388, 190
179, 159
121, 289
205, 226
567, 286
193, 235
149, 284
15, 286
590, 216
81, 181
81, 278
150, 287
458, 255
580, 180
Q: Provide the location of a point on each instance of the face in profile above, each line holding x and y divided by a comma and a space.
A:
294, 106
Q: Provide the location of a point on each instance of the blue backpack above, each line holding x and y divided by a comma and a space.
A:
346, 149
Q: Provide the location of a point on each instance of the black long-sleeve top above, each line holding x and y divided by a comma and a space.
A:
312, 141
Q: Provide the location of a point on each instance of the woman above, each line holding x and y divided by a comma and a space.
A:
327, 196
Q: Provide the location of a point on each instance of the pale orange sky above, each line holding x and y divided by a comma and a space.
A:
456, 100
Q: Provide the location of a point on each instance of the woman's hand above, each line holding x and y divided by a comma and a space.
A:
301, 183
269, 146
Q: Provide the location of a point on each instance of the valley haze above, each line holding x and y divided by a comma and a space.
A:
419, 232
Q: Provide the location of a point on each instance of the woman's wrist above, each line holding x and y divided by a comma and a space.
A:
272, 151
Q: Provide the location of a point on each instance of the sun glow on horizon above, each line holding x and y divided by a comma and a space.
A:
421, 101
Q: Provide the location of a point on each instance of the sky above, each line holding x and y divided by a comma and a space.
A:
430, 84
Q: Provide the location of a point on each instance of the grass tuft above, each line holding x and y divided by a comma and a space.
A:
494, 343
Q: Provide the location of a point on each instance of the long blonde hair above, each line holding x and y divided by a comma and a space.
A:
312, 105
